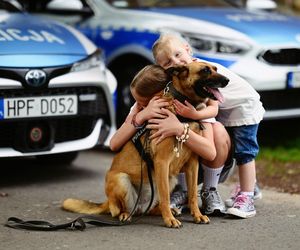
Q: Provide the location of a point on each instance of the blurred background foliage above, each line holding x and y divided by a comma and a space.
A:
289, 6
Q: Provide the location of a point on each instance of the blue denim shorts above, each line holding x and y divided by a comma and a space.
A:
245, 145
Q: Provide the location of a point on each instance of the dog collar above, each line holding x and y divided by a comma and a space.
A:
175, 93
180, 97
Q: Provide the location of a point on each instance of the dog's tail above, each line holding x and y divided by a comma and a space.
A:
85, 207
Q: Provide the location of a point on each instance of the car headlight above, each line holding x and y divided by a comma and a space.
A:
94, 60
216, 45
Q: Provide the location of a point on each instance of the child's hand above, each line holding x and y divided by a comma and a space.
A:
165, 127
186, 110
153, 109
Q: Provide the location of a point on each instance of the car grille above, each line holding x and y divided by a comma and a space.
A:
280, 99
289, 56
62, 129
65, 130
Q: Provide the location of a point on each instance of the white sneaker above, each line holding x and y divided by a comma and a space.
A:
179, 200
212, 202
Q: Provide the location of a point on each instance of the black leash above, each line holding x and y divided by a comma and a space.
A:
144, 152
80, 222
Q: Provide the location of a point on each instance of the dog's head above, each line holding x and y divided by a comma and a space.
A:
198, 81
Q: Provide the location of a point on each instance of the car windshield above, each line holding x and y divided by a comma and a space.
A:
134, 4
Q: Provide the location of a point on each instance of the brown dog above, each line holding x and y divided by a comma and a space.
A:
197, 81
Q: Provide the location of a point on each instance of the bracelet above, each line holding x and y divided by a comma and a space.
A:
185, 134
135, 124
181, 139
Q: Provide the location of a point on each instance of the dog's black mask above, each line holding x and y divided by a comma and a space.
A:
208, 83
208, 88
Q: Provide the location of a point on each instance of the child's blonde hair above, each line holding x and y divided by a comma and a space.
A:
164, 40
150, 80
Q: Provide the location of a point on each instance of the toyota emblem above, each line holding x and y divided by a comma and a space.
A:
35, 77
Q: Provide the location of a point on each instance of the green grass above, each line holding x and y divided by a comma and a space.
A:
287, 152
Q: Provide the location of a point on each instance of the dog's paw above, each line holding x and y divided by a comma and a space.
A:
173, 223
124, 217
201, 219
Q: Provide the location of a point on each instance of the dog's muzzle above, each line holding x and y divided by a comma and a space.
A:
209, 88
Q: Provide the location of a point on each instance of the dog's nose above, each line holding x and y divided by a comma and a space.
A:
225, 81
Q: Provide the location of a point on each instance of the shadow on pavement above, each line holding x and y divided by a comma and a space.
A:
18, 172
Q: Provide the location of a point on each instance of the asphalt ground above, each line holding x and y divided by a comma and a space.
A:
33, 191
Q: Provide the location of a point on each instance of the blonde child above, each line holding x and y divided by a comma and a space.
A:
240, 112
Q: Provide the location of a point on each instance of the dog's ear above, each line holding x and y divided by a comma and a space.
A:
179, 71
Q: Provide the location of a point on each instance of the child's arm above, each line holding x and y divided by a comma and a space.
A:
171, 126
137, 117
125, 132
187, 110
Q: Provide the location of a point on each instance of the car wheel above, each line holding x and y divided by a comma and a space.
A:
61, 158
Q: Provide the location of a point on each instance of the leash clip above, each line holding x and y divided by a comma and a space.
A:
77, 224
167, 88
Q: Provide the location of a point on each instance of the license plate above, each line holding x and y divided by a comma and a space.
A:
25, 107
293, 79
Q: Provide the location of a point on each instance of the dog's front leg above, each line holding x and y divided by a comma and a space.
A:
191, 179
161, 170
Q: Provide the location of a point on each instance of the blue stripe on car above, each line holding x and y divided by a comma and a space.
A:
114, 39
1, 108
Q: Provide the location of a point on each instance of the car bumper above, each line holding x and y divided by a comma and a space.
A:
93, 125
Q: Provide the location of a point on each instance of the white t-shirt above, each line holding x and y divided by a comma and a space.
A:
242, 105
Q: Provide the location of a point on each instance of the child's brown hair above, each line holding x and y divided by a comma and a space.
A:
150, 80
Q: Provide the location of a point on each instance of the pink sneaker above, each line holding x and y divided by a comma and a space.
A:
237, 189
243, 207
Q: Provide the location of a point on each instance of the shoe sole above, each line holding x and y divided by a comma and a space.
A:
216, 212
238, 213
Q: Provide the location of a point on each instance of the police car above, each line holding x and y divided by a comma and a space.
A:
262, 47
55, 92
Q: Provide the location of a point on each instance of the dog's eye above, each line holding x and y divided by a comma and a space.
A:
206, 70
